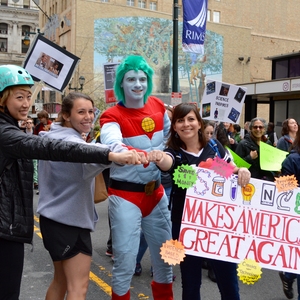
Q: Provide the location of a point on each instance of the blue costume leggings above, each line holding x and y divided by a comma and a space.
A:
126, 223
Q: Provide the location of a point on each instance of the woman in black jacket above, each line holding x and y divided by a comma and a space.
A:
248, 148
17, 149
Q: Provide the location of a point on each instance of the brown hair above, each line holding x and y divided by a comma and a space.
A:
68, 103
179, 112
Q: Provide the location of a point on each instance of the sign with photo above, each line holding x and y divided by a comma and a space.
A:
222, 102
49, 63
260, 222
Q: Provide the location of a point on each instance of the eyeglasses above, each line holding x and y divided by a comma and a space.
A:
258, 127
28, 122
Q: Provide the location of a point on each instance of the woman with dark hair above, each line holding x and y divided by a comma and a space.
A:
248, 148
224, 134
288, 132
188, 142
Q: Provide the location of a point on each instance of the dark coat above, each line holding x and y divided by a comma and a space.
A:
17, 149
243, 150
291, 165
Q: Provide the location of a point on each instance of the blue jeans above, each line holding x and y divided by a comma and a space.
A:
142, 248
292, 276
191, 275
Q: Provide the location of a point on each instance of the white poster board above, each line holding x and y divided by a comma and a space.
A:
222, 102
221, 222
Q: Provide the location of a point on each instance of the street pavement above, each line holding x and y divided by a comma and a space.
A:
38, 272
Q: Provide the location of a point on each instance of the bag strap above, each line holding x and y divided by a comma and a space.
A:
213, 144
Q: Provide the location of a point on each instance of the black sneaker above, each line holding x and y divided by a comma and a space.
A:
287, 286
138, 270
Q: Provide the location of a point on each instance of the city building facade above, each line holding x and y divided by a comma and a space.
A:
241, 38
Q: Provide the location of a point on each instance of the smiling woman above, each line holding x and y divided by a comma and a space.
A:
248, 148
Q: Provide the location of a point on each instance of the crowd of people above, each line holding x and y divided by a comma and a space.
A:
143, 141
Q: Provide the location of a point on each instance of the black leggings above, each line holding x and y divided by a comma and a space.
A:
11, 268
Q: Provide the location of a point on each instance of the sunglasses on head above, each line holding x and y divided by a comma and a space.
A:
258, 127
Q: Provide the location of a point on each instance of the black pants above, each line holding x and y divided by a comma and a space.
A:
11, 268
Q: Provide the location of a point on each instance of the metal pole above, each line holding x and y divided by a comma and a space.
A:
175, 48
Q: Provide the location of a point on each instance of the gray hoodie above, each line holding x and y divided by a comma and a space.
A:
67, 189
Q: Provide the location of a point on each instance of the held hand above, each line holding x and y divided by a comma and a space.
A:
244, 176
143, 158
253, 154
130, 157
155, 156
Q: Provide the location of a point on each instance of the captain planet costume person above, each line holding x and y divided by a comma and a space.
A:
136, 196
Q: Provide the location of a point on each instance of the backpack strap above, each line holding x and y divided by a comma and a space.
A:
212, 143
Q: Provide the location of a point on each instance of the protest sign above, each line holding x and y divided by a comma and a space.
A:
50, 63
260, 222
266, 158
222, 102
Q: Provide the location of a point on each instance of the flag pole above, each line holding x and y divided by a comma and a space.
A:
175, 47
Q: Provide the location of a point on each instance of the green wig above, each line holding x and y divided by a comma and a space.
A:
136, 63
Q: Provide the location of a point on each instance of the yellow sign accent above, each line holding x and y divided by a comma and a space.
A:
249, 271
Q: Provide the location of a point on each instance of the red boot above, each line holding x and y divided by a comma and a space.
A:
117, 297
162, 291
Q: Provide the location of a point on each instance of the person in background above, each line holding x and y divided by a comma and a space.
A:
271, 134
30, 130
228, 130
288, 132
246, 127
136, 197
236, 133
209, 129
291, 166
17, 150
290, 142
248, 148
44, 124
187, 140
29, 126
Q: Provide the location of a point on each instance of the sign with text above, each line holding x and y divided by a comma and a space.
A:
109, 80
222, 102
222, 220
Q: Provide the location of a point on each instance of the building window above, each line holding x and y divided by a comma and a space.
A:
52, 96
130, 2
142, 4
25, 28
26, 3
4, 2
104, 0
216, 17
153, 6
3, 28
208, 15
3, 45
294, 67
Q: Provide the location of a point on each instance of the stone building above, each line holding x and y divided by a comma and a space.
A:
18, 17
